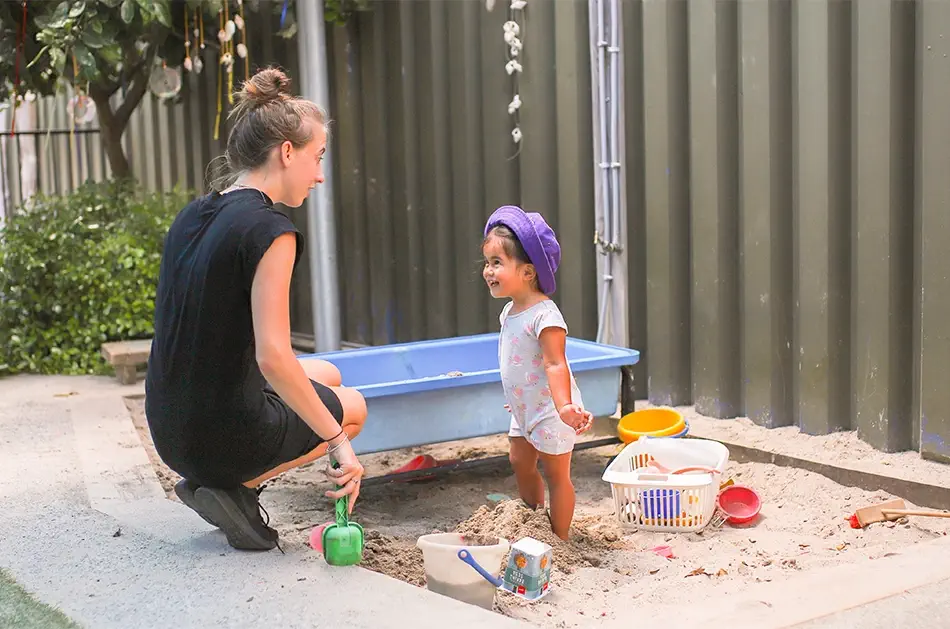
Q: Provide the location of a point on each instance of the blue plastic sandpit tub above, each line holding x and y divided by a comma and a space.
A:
413, 399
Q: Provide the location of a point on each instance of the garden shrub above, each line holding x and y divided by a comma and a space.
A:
78, 270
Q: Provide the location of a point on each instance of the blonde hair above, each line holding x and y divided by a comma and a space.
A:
265, 115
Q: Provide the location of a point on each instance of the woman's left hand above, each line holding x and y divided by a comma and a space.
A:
348, 476
576, 417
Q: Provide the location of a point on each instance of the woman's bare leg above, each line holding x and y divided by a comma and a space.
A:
354, 414
321, 371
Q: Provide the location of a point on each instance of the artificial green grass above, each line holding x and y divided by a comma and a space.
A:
19, 609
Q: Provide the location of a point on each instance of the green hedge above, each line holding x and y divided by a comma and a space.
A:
78, 270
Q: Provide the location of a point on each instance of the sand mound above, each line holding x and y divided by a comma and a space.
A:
590, 539
393, 556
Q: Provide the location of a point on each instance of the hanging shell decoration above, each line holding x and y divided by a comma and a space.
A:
81, 108
164, 82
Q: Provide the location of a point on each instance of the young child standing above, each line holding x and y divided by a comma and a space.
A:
522, 255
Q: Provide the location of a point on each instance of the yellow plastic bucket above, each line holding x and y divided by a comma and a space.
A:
650, 422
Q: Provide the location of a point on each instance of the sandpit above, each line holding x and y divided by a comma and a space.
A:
802, 527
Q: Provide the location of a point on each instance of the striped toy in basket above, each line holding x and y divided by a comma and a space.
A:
667, 484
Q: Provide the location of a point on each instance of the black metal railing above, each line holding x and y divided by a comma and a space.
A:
65, 158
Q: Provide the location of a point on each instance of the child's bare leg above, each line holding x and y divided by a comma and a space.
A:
524, 461
557, 471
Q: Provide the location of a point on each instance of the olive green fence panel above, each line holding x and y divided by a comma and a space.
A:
792, 195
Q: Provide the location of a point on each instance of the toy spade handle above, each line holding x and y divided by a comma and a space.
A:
466, 556
342, 505
342, 511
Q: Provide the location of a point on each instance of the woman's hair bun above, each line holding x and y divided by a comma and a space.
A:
266, 86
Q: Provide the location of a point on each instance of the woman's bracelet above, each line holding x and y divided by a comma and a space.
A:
333, 449
335, 436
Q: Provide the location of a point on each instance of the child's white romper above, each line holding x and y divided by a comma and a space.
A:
525, 382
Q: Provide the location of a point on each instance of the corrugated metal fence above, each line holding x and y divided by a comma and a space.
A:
424, 154
788, 197
792, 197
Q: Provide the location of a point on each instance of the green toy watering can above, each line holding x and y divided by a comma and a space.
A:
342, 540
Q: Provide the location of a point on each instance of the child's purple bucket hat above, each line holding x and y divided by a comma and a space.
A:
536, 237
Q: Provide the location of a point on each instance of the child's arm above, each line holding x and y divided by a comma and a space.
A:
553, 341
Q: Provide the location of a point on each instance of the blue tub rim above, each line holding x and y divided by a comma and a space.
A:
611, 356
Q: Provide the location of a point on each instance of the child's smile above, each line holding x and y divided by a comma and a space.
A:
500, 271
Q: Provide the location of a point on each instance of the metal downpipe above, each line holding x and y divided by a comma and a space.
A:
321, 231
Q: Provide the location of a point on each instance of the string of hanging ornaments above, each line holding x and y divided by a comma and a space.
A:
514, 43
228, 52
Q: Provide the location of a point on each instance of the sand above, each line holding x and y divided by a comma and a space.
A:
838, 448
591, 537
602, 571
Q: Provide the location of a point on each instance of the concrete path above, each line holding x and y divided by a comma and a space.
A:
85, 526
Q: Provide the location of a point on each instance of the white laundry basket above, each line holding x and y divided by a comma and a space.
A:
650, 501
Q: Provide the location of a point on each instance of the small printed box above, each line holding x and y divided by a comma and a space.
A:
529, 568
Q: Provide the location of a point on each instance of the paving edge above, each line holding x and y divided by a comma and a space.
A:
921, 494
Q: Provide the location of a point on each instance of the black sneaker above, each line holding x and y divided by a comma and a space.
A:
237, 513
185, 490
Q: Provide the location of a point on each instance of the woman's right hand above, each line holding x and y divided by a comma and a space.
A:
349, 475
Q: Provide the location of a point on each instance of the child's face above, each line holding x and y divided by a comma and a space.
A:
506, 277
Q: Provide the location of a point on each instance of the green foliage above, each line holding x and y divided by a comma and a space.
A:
339, 11
115, 41
336, 12
81, 41
77, 271
104, 46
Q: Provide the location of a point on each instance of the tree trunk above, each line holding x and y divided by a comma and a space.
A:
111, 129
112, 123
112, 143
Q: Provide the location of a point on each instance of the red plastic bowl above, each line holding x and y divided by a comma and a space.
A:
740, 504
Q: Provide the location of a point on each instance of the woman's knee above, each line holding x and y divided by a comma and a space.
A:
321, 371
354, 406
